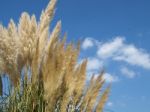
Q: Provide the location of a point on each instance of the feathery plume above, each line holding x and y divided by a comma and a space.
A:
44, 69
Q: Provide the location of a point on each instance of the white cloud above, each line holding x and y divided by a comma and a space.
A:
109, 49
134, 56
87, 43
118, 50
128, 73
107, 77
94, 64
110, 78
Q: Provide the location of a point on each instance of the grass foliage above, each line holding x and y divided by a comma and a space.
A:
43, 69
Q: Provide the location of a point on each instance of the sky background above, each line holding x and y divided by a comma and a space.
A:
115, 35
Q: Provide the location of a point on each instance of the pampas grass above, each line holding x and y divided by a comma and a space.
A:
43, 69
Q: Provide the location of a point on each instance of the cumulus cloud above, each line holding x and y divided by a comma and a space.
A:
127, 72
87, 43
118, 50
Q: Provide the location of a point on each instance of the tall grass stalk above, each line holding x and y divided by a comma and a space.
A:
43, 69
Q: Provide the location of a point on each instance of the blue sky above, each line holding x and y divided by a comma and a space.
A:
115, 36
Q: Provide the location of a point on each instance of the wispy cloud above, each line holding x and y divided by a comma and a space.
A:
110, 78
127, 72
94, 64
134, 56
87, 43
118, 50
110, 49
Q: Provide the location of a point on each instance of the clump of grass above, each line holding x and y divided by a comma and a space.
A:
43, 69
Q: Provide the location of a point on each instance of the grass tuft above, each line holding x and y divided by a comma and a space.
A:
43, 69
